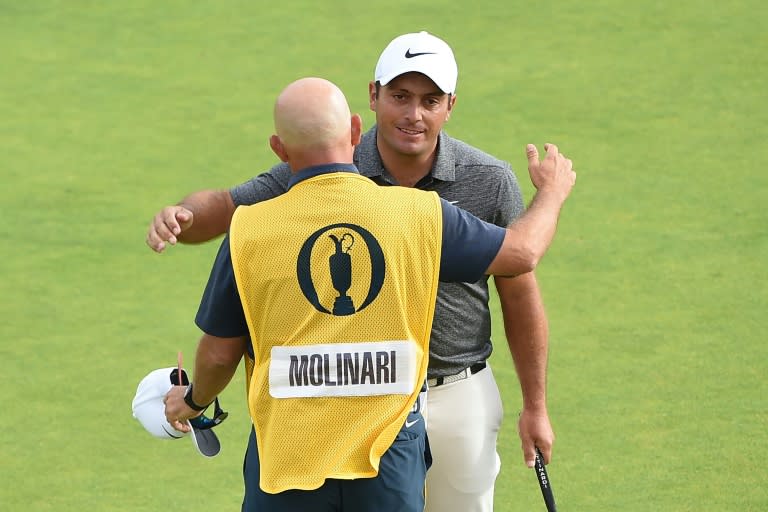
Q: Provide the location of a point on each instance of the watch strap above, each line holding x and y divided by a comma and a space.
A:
191, 403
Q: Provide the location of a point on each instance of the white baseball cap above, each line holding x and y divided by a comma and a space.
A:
149, 409
421, 52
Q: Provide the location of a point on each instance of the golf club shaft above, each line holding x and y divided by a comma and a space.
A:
544, 483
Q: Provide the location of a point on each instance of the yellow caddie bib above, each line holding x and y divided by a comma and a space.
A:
338, 279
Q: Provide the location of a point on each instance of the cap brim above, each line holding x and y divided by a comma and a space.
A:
206, 442
427, 71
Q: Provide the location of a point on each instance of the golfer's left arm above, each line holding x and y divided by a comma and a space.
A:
527, 331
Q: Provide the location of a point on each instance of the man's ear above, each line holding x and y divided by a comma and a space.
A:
277, 146
372, 95
451, 103
357, 129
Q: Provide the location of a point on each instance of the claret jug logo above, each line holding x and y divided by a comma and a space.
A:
340, 269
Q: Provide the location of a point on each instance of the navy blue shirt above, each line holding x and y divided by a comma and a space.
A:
469, 246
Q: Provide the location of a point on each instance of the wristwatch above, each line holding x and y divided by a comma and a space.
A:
191, 403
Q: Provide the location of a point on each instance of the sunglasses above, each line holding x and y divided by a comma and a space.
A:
201, 422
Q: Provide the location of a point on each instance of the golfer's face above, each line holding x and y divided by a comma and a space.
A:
410, 112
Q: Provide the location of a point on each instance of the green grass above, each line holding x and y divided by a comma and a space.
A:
656, 287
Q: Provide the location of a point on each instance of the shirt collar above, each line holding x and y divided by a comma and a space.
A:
444, 167
368, 158
317, 170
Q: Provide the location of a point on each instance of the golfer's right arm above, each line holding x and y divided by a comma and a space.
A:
199, 217
206, 214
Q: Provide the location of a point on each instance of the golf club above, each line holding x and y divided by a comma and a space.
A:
544, 483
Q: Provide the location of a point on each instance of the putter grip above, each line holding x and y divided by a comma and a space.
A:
544, 483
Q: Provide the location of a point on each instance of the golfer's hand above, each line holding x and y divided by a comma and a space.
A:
535, 430
167, 225
554, 174
177, 412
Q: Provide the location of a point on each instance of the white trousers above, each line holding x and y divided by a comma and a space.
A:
463, 422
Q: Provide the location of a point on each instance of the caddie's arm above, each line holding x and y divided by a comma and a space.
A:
528, 238
216, 362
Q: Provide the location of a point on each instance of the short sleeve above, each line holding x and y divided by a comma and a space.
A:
469, 245
262, 187
221, 312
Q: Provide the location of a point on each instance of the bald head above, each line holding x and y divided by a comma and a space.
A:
313, 125
312, 113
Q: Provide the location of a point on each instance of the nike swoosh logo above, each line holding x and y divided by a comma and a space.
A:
409, 55
409, 424
166, 431
453, 202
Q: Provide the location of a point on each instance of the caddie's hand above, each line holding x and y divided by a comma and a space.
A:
535, 431
177, 412
167, 225
553, 174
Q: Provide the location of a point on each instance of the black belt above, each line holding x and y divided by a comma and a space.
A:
463, 374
